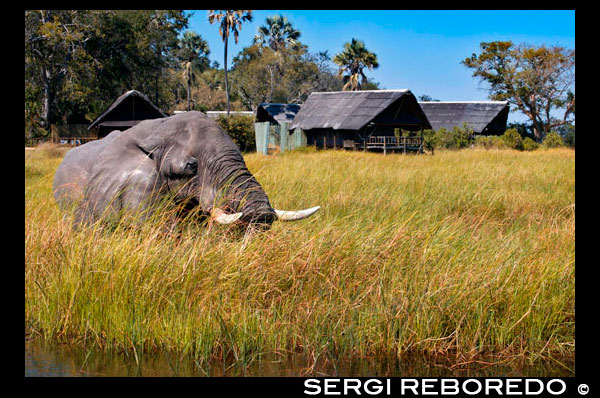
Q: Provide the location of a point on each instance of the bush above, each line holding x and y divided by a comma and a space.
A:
429, 139
552, 140
241, 130
459, 137
463, 136
512, 139
489, 142
443, 139
529, 144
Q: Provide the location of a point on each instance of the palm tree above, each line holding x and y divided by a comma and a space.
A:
193, 54
229, 20
277, 33
352, 61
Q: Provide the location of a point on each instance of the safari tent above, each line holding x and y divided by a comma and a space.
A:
276, 113
126, 111
379, 120
271, 127
484, 117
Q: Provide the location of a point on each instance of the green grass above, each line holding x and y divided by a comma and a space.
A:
463, 254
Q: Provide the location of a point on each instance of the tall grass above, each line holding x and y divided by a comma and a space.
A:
462, 253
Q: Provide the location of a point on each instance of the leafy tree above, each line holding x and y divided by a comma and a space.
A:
352, 61
537, 80
260, 74
567, 133
278, 32
77, 62
56, 58
229, 21
524, 129
427, 98
370, 85
326, 79
193, 55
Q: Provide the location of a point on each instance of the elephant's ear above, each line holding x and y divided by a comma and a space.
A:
149, 145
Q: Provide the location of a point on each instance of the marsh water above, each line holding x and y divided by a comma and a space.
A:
46, 359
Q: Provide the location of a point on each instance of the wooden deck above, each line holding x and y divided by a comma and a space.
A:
392, 143
75, 141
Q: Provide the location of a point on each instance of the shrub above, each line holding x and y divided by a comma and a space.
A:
552, 140
241, 130
463, 136
529, 144
489, 142
483, 141
429, 139
459, 137
512, 139
443, 139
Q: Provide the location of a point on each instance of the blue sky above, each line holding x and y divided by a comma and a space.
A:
418, 50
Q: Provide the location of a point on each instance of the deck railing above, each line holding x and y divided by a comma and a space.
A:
394, 143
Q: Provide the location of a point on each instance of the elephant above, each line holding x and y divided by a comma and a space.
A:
186, 158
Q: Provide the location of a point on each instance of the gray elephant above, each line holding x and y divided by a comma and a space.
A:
186, 158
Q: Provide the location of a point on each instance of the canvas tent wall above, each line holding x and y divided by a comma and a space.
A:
126, 111
350, 118
484, 117
272, 131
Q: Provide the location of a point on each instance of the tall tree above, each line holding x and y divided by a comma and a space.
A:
163, 27
537, 80
193, 55
352, 61
56, 56
260, 76
229, 21
277, 32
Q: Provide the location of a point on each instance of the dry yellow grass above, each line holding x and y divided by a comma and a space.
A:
462, 253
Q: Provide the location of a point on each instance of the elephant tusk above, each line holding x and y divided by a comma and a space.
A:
222, 218
296, 215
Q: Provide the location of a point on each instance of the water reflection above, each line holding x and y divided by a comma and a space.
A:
43, 359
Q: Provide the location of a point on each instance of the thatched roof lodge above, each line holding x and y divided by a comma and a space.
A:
126, 111
276, 113
370, 119
484, 117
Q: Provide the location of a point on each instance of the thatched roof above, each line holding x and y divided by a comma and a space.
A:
352, 110
115, 116
484, 117
276, 113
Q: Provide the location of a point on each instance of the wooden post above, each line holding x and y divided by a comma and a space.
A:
384, 146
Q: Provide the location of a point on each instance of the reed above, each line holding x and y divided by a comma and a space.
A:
464, 253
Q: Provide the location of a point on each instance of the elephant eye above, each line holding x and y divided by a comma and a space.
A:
192, 165
149, 153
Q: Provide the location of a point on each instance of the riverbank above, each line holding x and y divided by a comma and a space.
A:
464, 254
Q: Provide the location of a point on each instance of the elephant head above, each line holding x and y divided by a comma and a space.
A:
187, 156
